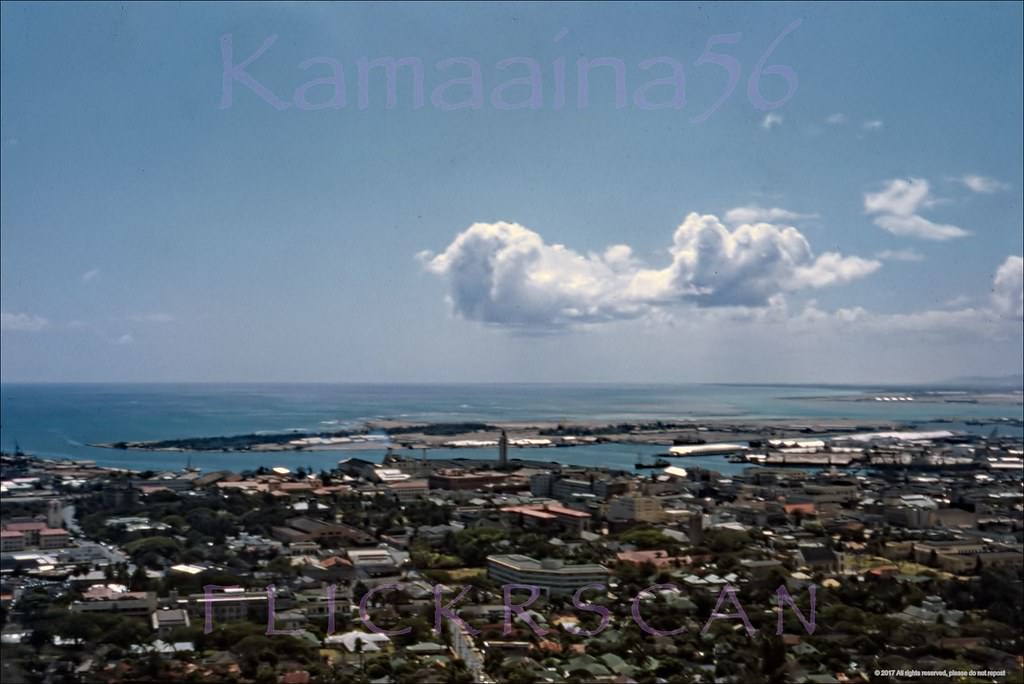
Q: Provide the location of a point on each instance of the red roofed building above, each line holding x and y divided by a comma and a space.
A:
331, 490
571, 521
152, 489
657, 558
295, 487
246, 486
804, 508
29, 531
455, 479
11, 541
549, 646
18, 536
884, 571
53, 539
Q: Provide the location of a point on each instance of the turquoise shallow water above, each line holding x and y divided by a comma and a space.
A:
61, 420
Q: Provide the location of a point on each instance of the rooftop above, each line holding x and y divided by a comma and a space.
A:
523, 563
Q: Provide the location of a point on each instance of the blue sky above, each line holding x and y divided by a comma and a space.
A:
868, 229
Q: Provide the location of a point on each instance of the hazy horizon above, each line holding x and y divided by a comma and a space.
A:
955, 383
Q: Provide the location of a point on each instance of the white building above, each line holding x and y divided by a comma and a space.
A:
550, 575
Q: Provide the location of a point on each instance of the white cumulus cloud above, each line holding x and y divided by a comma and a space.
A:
832, 268
836, 119
982, 184
897, 205
872, 125
771, 121
756, 214
919, 227
999, 318
20, 322
506, 274
900, 197
1008, 288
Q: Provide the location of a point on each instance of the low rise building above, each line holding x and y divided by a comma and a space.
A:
631, 508
28, 530
966, 557
373, 562
455, 479
551, 576
231, 604
53, 538
659, 558
563, 519
167, 620
305, 529
819, 558
11, 541
115, 599
932, 610
408, 490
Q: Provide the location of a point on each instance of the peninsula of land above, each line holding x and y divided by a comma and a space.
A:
536, 434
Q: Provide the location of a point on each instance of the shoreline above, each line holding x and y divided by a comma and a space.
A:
418, 435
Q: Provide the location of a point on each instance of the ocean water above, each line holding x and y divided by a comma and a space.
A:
61, 420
